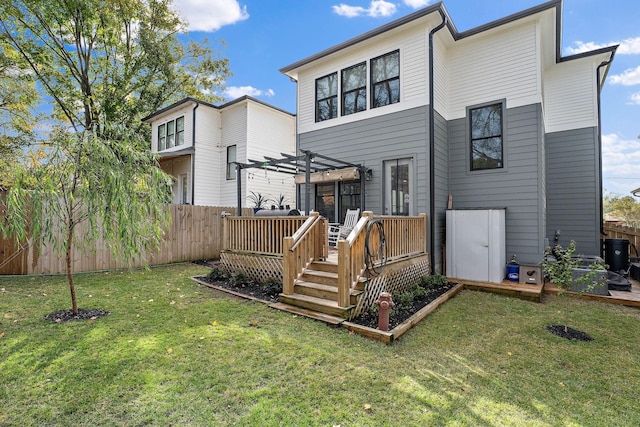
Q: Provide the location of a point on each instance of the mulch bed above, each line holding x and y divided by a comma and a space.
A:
397, 316
83, 314
252, 289
570, 333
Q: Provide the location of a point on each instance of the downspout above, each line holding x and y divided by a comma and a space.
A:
432, 145
599, 87
193, 156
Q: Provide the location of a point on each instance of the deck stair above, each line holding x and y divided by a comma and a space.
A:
317, 290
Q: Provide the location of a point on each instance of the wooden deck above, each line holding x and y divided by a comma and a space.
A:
628, 298
535, 292
519, 290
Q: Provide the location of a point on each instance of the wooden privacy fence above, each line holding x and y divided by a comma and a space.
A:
623, 232
195, 233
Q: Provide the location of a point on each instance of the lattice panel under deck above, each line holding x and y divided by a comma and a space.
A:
393, 280
256, 267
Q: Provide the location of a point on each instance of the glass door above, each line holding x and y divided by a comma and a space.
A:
398, 199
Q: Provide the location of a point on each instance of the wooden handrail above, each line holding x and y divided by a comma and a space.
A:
300, 249
302, 232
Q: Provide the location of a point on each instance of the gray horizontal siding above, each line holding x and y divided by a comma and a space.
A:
517, 187
398, 135
573, 188
441, 176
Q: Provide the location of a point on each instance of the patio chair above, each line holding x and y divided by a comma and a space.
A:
337, 231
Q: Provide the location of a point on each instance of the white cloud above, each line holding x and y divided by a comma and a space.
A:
417, 3
635, 98
376, 9
207, 15
627, 47
234, 92
628, 77
620, 160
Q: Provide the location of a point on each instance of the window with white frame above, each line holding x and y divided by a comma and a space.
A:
171, 134
385, 79
231, 165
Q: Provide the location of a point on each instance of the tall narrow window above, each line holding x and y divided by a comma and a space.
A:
327, 97
231, 166
385, 79
171, 134
162, 138
354, 89
184, 187
486, 137
180, 130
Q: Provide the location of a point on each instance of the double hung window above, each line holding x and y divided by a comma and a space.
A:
327, 97
385, 79
354, 89
171, 134
486, 130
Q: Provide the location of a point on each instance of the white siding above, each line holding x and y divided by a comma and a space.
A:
185, 111
270, 133
412, 42
570, 96
498, 65
207, 157
440, 74
234, 132
175, 167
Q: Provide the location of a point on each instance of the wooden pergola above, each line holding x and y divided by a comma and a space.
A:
308, 168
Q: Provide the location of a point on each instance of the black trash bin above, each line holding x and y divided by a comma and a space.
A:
616, 254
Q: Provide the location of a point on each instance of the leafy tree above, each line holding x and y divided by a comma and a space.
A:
560, 263
112, 61
100, 66
18, 96
626, 208
118, 190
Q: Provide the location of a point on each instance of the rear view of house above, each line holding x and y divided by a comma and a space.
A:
200, 143
494, 117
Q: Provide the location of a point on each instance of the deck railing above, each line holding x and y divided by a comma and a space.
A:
351, 259
259, 235
302, 248
405, 236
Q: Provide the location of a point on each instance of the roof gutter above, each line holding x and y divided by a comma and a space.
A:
432, 144
193, 157
599, 86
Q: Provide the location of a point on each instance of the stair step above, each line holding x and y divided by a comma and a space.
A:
317, 304
327, 266
318, 276
320, 290
331, 320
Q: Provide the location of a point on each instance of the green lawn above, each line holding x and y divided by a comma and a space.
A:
175, 353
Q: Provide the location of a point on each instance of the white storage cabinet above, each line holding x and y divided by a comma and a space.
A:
476, 248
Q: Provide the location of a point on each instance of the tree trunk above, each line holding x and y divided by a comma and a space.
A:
69, 253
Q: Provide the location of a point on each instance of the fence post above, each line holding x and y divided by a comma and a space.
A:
288, 266
344, 273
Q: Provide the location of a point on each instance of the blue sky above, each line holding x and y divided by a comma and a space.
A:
262, 36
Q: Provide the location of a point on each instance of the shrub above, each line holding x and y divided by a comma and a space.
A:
239, 279
217, 274
433, 282
272, 287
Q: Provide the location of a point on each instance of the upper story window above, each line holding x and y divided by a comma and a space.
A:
327, 97
231, 165
171, 134
385, 79
354, 89
486, 130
